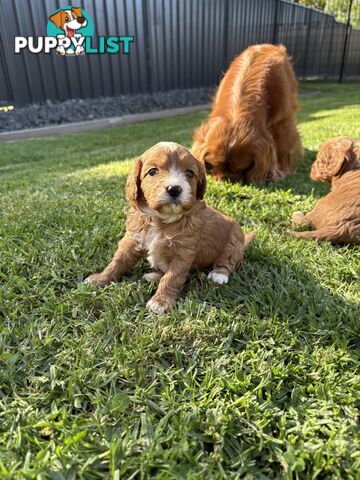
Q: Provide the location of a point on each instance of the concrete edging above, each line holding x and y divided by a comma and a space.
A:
101, 123
98, 124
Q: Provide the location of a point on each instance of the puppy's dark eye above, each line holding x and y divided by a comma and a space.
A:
189, 173
208, 166
153, 171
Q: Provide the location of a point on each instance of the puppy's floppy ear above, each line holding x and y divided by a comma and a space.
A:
77, 11
133, 183
332, 156
58, 18
201, 181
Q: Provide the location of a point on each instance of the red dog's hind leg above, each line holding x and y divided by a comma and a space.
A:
331, 234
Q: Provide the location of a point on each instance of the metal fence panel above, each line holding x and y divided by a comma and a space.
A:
249, 22
5, 82
178, 44
352, 65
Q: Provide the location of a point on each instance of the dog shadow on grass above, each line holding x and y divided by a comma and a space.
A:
281, 283
271, 285
299, 182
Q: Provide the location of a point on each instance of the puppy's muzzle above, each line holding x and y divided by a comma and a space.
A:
174, 190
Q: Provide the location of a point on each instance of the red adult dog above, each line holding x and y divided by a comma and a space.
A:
251, 132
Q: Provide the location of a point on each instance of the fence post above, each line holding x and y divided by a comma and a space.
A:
348, 26
276, 15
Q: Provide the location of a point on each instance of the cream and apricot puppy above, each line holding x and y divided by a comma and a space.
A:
335, 217
170, 224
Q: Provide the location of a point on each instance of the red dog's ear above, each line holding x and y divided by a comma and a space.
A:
332, 156
58, 18
265, 165
201, 181
208, 135
133, 183
77, 11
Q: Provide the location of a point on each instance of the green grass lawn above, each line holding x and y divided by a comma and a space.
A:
254, 379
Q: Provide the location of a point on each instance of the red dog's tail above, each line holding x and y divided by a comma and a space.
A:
249, 237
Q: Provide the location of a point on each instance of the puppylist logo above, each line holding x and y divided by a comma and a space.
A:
70, 31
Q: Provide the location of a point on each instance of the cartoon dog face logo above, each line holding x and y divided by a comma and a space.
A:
69, 20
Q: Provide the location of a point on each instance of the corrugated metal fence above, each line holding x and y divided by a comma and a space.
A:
178, 44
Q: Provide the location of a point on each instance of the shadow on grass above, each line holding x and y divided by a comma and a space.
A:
270, 284
284, 287
273, 283
270, 287
299, 182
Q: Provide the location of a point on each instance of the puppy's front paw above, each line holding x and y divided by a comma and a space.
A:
152, 276
159, 305
217, 277
297, 218
98, 280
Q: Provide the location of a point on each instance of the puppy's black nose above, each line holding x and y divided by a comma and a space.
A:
174, 190
81, 20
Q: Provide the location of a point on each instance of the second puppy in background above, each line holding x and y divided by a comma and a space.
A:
335, 217
251, 132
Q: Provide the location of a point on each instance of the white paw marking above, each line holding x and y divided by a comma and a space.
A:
218, 278
87, 280
152, 277
155, 306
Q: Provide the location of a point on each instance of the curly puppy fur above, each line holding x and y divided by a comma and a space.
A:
170, 224
336, 217
251, 132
